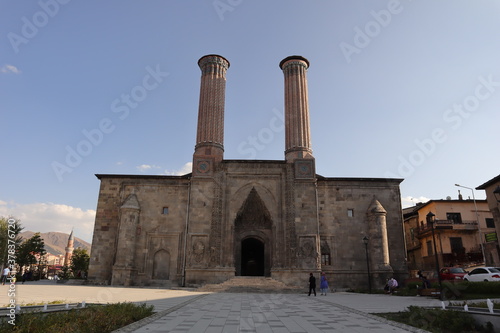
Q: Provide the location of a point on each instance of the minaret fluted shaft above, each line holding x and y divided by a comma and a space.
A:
210, 132
297, 128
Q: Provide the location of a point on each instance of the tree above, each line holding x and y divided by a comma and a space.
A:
30, 251
9, 239
80, 262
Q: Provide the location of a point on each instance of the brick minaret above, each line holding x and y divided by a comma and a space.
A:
210, 134
297, 132
69, 250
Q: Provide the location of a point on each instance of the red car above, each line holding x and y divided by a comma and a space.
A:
452, 273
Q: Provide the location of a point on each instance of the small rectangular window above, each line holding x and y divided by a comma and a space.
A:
350, 212
456, 218
429, 248
490, 223
165, 211
325, 259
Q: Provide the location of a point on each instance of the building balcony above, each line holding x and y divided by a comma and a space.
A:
447, 225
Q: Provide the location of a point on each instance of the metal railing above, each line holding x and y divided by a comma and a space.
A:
447, 224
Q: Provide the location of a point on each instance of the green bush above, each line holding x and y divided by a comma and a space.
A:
93, 319
437, 320
482, 287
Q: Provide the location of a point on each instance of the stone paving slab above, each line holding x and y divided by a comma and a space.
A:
193, 311
272, 313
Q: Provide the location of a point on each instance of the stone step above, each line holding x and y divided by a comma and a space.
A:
250, 284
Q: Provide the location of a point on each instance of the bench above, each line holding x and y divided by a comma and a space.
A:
433, 292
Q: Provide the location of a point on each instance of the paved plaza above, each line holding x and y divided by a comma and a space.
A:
193, 311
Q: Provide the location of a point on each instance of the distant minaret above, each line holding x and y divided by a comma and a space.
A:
69, 249
297, 131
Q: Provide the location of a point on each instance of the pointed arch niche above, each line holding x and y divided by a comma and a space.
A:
161, 265
253, 235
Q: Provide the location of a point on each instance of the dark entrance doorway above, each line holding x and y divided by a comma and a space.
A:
252, 257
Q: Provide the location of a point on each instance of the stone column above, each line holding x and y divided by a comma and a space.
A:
297, 130
378, 245
210, 133
124, 266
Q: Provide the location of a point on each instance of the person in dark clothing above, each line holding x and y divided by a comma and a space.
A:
312, 284
425, 283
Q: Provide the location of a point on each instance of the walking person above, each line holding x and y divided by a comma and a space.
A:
312, 284
323, 284
5, 274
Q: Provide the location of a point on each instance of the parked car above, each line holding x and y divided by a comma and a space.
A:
483, 274
452, 273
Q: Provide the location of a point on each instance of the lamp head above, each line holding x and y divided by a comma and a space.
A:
430, 218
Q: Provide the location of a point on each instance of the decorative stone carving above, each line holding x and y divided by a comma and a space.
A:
253, 214
291, 236
309, 256
198, 251
304, 169
216, 223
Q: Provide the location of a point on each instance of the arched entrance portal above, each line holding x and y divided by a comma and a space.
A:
252, 257
253, 238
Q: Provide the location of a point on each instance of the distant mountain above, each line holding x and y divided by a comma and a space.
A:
55, 242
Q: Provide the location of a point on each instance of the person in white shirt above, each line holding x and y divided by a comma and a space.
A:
5, 274
393, 284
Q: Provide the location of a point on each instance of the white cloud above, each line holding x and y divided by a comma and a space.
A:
145, 167
10, 69
45, 217
186, 168
412, 201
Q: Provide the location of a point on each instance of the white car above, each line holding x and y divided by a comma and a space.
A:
483, 274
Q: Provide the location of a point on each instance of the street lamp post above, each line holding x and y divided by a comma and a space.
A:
365, 241
430, 221
477, 221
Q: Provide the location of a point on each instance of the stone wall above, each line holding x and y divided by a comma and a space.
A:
306, 217
158, 234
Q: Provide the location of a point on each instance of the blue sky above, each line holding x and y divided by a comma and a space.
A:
405, 89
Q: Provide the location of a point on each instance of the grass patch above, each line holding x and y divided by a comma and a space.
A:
94, 318
437, 320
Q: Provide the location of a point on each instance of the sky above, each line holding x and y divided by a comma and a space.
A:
398, 89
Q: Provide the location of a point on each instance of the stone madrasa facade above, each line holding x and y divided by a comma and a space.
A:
230, 218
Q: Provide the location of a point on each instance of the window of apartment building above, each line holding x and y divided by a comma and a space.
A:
350, 212
490, 223
429, 248
412, 233
456, 245
165, 211
455, 217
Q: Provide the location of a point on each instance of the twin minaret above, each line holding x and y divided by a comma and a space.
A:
210, 134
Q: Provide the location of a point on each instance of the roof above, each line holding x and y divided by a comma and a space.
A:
186, 176
488, 183
389, 180
418, 207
